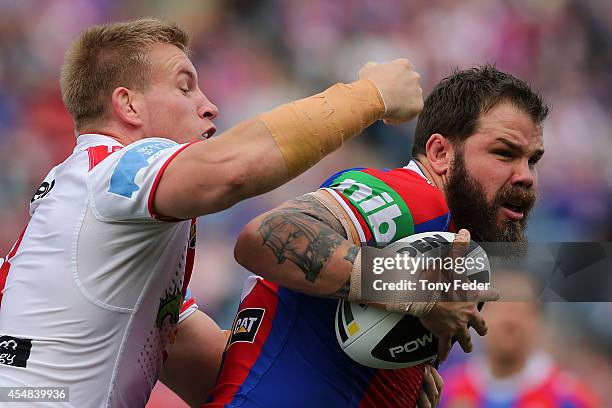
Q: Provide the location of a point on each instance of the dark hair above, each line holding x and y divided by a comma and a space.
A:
456, 103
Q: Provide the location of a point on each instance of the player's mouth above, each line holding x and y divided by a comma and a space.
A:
207, 134
513, 210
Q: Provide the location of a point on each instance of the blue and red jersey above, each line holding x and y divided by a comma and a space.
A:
283, 348
539, 384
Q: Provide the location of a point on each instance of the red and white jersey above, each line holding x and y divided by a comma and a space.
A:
91, 291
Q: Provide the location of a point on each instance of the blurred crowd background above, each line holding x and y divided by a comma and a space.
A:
252, 55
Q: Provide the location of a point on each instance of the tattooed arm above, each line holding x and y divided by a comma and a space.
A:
303, 246
300, 245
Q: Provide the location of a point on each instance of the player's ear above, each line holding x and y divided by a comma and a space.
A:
439, 153
126, 106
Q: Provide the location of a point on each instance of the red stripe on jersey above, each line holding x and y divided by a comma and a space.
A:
4, 270
99, 153
357, 214
243, 355
425, 201
394, 388
152, 211
190, 256
186, 305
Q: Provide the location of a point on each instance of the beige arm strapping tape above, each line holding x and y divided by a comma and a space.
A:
393, 301
308, 129
332, 205
418, 309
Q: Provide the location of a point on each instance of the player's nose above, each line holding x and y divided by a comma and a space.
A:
207, 109
523, 175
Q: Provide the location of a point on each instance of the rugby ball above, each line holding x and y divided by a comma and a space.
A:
387, 340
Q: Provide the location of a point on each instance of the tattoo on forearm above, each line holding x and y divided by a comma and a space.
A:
301, 233
291, 236
344, 291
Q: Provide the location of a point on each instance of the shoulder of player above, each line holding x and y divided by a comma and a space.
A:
389, 204
405, 178
414, 189
567, 383
141, 150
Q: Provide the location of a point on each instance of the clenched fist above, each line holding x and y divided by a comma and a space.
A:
398, 84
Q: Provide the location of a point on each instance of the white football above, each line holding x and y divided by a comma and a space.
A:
381, 339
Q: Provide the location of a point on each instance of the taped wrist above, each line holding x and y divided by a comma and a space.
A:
417, 309
337, 211
393, 300
308, 129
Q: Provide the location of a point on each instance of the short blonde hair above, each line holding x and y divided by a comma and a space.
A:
107, 56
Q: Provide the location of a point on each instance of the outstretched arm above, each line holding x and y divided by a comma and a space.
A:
264, 152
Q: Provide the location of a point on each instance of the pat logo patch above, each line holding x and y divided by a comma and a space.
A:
246, 325
125, 181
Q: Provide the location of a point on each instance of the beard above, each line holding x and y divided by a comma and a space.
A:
470, 209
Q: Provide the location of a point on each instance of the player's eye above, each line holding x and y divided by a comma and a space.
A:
184, 86
533, 161
504, 153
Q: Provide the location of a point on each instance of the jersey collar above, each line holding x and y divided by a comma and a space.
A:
93, 139
415, 167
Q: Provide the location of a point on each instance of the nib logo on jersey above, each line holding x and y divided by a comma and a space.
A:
383, 209
125, 181
246, 325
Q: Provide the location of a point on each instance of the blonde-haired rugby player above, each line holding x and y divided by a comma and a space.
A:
92, 288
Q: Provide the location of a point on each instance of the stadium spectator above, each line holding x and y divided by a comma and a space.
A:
514, 371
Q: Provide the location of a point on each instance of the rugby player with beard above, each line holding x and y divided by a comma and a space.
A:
477, 143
